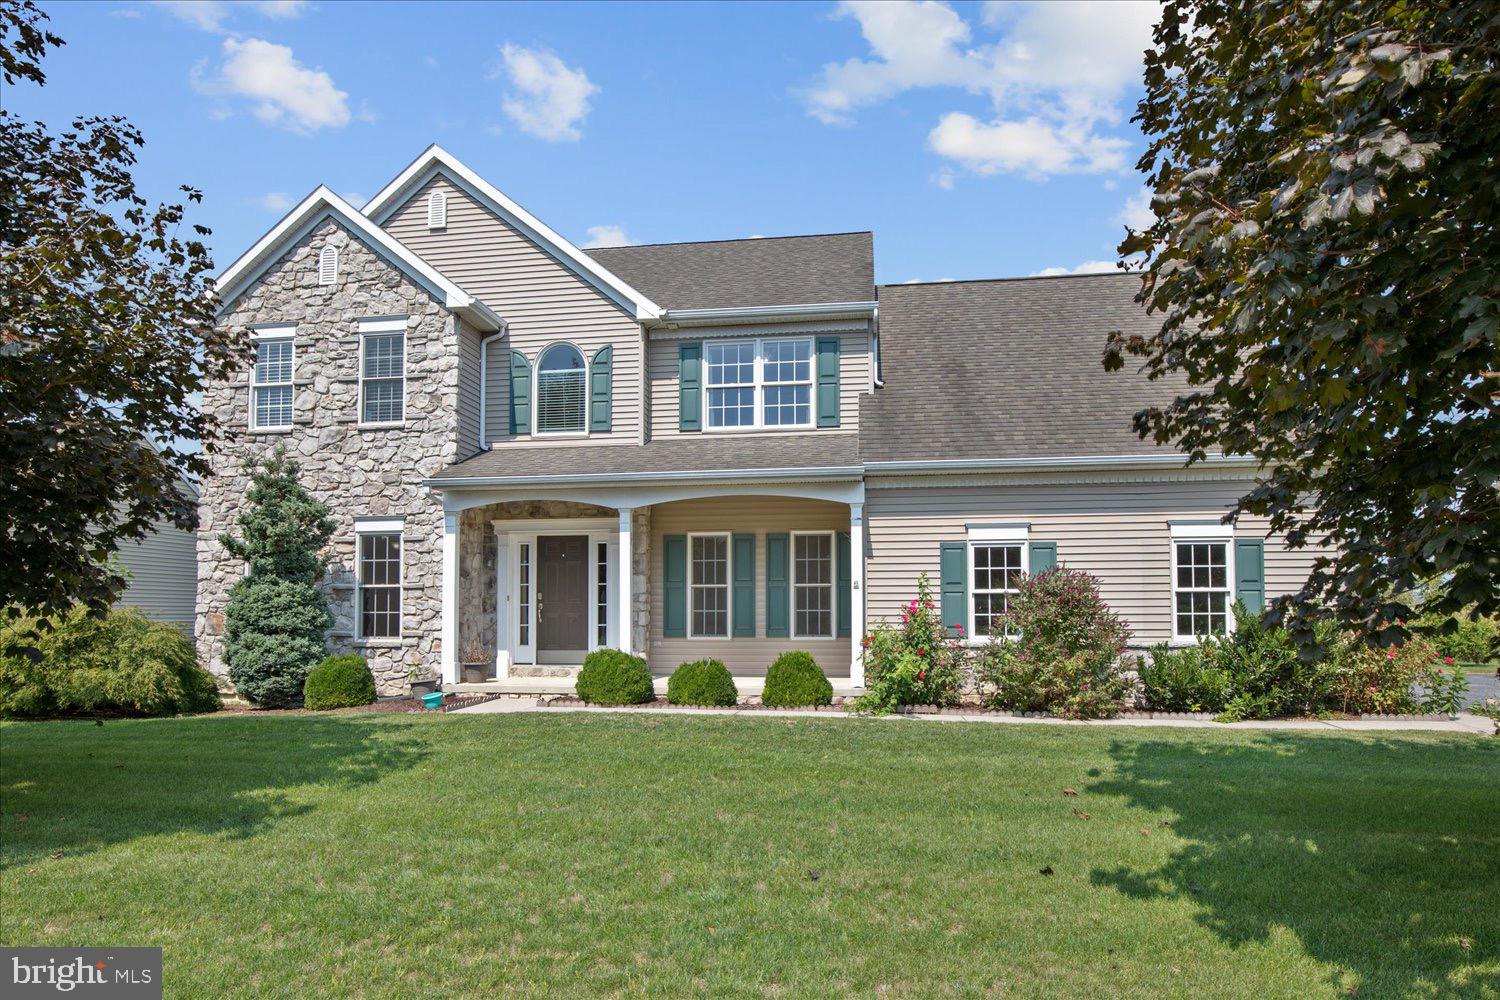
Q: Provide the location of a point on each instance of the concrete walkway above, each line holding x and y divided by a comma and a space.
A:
1464, 724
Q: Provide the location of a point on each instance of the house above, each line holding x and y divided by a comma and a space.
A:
161, 569
724, 449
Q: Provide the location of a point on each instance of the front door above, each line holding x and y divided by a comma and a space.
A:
562, 622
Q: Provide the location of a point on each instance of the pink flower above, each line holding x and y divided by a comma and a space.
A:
1391, 655
1447, 659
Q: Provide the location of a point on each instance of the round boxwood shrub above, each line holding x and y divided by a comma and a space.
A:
795, 679
702, 682
612, 677
341, 681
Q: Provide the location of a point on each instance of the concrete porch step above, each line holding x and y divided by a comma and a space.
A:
544, 670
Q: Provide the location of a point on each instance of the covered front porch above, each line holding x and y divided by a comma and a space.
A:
535, 579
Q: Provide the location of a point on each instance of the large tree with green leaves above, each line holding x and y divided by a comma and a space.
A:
1324, 262
107, 336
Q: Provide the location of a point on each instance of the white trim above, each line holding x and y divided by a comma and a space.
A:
435, 160
841, 473
728, 584
265, 335
624, 597
1200, 530
972, 636
380, 328
833, 586
364, 527
758, 385
970, 465
856, 595
783, 313
536, 393
999, 532
313, 210
1189, 538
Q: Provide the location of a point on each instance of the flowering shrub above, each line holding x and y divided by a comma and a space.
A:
914, 662
1065, 654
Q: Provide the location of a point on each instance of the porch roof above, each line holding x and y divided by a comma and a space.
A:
833, 453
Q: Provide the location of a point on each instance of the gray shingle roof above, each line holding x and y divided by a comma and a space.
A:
1007, 369
690, 453
784, 270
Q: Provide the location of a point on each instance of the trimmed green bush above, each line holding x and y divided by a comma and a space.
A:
794, 680
702, 682
121, 664
612, 677
1186, 679
340, 681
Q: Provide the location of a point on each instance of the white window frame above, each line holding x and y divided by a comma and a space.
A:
1203, 533
833, 587
759, 385
273, 334
983, 536
536, 392
328, 265
728, 584
381, 328
364, 526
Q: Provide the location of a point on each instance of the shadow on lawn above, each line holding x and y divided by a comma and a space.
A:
76, 787
1378, 855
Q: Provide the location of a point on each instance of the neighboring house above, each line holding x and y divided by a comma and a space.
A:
162, 572
724, 449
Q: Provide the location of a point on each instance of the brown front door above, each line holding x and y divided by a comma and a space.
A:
562, 588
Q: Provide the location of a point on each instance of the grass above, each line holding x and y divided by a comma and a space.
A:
348, 855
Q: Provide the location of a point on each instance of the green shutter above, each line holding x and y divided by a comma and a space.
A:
1043, 557
674, 577
601, 389
778, 593
690, 386
1250, 573
845, 579
743, 602
828, 381
954, 590
520, 393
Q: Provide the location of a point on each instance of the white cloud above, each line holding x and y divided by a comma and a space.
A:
212, 15
1087, 267
607, 236
355, 198
548, 99
276, 201
282, 90
1136, 212
944, 179
1054, 79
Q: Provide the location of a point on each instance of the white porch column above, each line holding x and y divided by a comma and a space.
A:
624, 580
857, 592
450, 597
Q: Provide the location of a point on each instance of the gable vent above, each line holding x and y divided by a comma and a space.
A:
328, 266
437, 210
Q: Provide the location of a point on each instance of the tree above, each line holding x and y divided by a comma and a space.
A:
107, 335
1324, 261
276, 618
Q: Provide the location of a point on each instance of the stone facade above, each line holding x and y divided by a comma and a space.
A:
357, 472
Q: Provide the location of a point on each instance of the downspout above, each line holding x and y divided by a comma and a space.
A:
484, 383
875, 340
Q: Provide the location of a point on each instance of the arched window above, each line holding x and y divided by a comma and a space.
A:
437, 210
328, 266
561, 390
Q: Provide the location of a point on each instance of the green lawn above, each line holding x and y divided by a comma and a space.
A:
363, 855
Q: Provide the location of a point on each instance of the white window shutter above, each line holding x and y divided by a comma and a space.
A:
437, 210
328, 266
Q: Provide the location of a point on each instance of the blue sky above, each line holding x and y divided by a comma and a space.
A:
975, 140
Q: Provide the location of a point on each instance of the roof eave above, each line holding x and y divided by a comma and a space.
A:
960, 466
813, 474
789, 313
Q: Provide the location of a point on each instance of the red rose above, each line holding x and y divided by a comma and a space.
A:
921, 677
1448, 659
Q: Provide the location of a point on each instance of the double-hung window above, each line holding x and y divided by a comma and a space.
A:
996, 569
1200, 585
382, 382
812, 585
759, 383
378, 586
708, 586
271, 382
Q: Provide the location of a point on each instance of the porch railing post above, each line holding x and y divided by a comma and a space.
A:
857, 594
624, 624
450, 597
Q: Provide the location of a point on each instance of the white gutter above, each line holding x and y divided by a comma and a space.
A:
484, 381
750, 314
961, 465
712, 475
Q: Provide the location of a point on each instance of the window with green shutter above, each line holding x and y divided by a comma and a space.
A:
743, 601
690, 386
520, 393
954, 585
601, 389
674, 586
778, 592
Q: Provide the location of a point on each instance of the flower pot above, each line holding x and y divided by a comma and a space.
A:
475, 673
421, 688
433, 700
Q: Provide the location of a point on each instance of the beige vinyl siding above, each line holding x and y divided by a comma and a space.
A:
163, 575
662, 370
741, 515
469, 376
1117, 531
542, 300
